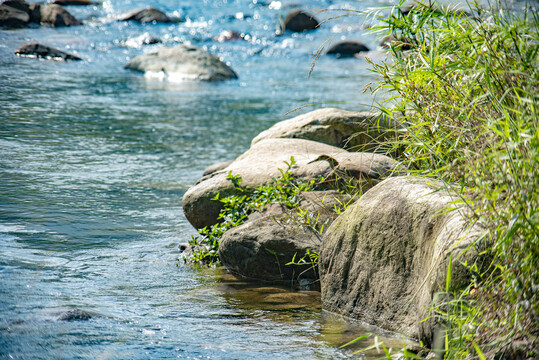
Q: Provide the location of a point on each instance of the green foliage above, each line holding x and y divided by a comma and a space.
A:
284, 190
310, 259
467, 93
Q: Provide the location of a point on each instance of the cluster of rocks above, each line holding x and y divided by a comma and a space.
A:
382, 260
19, 13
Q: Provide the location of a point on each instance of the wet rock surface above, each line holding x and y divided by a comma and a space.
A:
148, 15
44, 52
75, 315
347, 49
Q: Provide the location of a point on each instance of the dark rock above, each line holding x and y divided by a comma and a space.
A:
73, 2
57, 16
384, 259
299, 21
347, 49
35, 13
17, 4
13, 17
45, 52
75, 315
148, 15
396, 42
183, 62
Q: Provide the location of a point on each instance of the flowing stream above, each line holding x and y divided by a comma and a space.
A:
94, 160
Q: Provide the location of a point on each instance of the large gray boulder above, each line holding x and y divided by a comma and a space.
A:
44, 52
357, 131
183, 62
261, 163
260, 248
384, 259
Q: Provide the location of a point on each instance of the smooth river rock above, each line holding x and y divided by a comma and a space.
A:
357, 131
183, 62
261, 247
56, 15
44, 52
19, 13
299, 21
347, 49
383, 260
261, 163
147, 15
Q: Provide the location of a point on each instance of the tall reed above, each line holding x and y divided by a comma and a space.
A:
467, 92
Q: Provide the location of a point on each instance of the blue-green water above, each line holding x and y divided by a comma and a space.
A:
94, 160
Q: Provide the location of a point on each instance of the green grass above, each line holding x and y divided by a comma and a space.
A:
467, 93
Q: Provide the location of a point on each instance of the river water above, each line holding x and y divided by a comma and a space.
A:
94, 160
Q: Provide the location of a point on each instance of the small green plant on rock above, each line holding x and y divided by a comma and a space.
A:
284, 190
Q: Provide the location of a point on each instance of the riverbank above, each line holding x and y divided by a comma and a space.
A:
95, 161
442, 135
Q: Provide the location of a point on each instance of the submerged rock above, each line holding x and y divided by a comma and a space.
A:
347, 49
299, 21
261, 163
357, 131
44, 52
183, 62
384, 259
75, 315
148, 15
